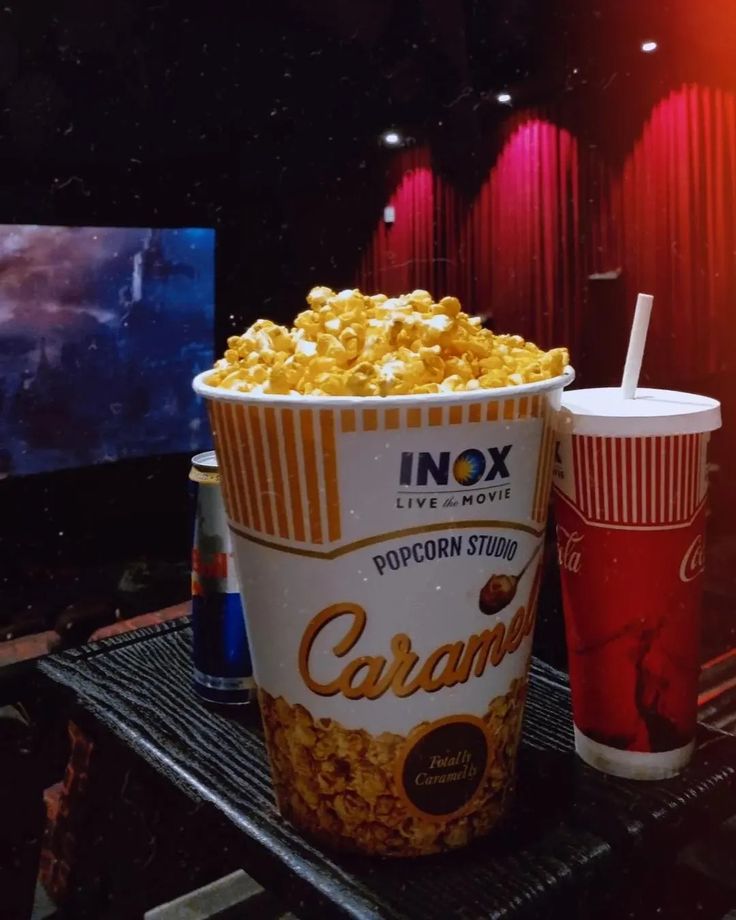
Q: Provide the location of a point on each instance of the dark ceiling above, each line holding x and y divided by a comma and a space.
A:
166, 78
263, 119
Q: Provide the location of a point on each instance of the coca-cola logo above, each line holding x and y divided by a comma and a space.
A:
569, 549
693, 562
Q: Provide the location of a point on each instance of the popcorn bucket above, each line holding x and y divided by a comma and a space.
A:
389, 551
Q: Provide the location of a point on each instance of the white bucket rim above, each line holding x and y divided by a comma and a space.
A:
525, 389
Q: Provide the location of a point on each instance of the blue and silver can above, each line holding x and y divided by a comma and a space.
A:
222, 666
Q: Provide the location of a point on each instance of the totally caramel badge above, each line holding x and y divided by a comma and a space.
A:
443, 765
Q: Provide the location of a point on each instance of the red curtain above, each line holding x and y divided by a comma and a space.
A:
547, 216
514, 254
674, 216
400, 256
453, 269
551, 212
601, 214
523, 236
678, 230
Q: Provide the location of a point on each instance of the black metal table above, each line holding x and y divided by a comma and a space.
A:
573, 834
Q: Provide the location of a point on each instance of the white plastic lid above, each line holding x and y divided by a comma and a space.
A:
604, 411
206, 462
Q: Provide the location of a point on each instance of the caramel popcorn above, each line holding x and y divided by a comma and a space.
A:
339, 784
351, 344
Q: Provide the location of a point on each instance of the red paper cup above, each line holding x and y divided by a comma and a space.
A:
630, 492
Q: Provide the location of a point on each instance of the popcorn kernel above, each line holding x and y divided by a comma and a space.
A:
350, 344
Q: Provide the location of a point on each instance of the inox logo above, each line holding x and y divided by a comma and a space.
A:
468, 467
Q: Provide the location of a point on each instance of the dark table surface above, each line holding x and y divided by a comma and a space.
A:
572, 836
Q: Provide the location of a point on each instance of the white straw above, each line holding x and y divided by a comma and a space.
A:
637, 341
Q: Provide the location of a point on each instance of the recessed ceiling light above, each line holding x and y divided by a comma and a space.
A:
648, 46
503, 98
391, 138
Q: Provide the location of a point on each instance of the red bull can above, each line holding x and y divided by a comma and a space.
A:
222, 665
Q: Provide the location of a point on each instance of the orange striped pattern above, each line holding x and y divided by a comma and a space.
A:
429, 416
246, 500
263, 492
309, 455
347, 417
274, 455
370, 420
292, 466
543, 481
280, 470
279, 466
327, 431
391, 420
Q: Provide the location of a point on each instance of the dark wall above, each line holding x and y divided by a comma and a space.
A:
263, 121
263, 125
